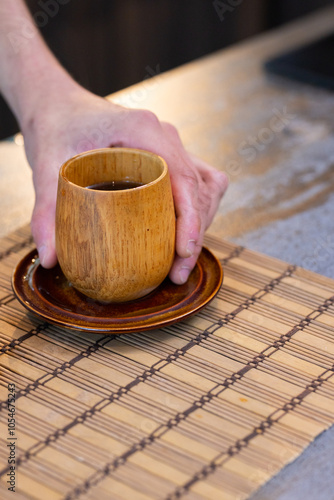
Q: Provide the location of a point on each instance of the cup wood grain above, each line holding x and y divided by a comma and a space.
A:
115, 246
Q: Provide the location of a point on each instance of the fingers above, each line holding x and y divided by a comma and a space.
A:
216, 183
187, 209
197, 197
197, 191
197, 187
182, 268
189, 223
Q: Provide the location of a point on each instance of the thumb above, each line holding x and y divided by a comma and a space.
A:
43, 226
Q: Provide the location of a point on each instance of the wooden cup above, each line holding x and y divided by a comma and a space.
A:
115, 246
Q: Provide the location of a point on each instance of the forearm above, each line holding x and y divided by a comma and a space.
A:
28, 69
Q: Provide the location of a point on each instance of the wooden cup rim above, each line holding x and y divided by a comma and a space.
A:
91, 152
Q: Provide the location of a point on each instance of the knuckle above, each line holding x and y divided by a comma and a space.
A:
189, 227
190, 179
220, 181
171, 130
146, 117
206, 201
135, 125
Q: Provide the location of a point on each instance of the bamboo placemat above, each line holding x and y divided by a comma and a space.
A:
209, 408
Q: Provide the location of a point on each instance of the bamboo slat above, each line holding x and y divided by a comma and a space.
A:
209, 408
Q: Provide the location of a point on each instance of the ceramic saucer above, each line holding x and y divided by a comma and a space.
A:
48, 294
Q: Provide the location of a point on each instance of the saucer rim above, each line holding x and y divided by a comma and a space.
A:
154, 322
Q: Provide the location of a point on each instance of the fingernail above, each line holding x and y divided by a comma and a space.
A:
184, 274
42, 254
191, 247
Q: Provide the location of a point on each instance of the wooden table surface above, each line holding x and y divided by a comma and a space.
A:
274, 138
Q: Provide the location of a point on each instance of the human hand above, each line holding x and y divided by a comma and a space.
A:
72, 120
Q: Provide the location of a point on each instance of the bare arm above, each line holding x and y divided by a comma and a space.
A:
28, 68
59, 119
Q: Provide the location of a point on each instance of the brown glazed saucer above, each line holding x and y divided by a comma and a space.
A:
48, 294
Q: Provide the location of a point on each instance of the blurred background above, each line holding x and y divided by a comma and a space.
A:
110, 44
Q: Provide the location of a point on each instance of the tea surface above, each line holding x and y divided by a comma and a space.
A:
115, 185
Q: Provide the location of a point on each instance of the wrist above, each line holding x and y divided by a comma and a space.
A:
43, 89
